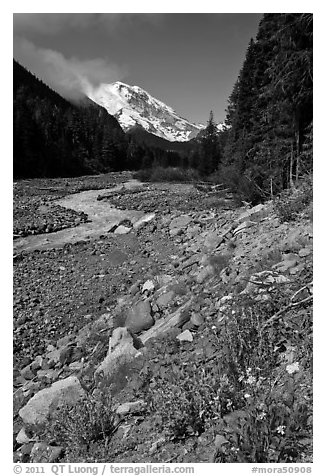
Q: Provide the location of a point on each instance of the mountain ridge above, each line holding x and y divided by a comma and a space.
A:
133, 106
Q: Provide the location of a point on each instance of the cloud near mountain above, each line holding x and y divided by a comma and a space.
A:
68, 76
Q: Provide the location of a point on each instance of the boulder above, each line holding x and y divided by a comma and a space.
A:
121, 352
139, 317
46, 401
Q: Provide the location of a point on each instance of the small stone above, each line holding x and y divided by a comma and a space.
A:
76, 366
185, 336
305, 252
197, 319
180, 221
142, 221
165, 299
284, 266
130, 407
122, 230
43, 453
204, 273
134, 288
37, 363
148, 286
27, 373
297, 269
139, 317
22, 437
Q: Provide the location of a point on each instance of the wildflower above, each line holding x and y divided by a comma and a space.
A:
292, 368
213, 327
281, 429
247, 395
251, 380
261, 416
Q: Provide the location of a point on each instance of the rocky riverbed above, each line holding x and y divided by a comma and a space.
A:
148, 263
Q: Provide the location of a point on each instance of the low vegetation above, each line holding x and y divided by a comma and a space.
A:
168, 174
84, 429
291, 202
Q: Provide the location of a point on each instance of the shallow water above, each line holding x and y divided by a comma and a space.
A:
102, 218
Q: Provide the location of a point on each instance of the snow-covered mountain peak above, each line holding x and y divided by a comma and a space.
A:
133, 106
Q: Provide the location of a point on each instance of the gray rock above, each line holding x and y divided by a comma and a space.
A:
44, 453
47, 374
27, 373
142, 221
148, 286
121, 352
305, 252
256, 213
134, 288
180, 222
22, 437
130, 407
122, 230
62, 355
139, 317
283, 266
197, 319
185, 336
165, 298
204, 274
39, 407
297, 269
212, 239
37, 363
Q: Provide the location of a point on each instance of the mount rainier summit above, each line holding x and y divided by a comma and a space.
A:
133, 106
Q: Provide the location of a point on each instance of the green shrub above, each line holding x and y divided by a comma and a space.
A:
274, 423
290, 203
244, 389
91, 421
168, 174
243, 187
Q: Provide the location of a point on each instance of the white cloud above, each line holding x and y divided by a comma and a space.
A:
68, 76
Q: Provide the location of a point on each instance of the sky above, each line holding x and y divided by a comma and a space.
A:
190, 61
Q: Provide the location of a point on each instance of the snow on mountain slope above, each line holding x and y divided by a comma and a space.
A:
133, 106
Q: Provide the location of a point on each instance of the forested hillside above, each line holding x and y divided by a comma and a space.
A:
265, 146
268, 139
54, 137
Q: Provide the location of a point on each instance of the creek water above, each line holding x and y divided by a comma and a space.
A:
101, 215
